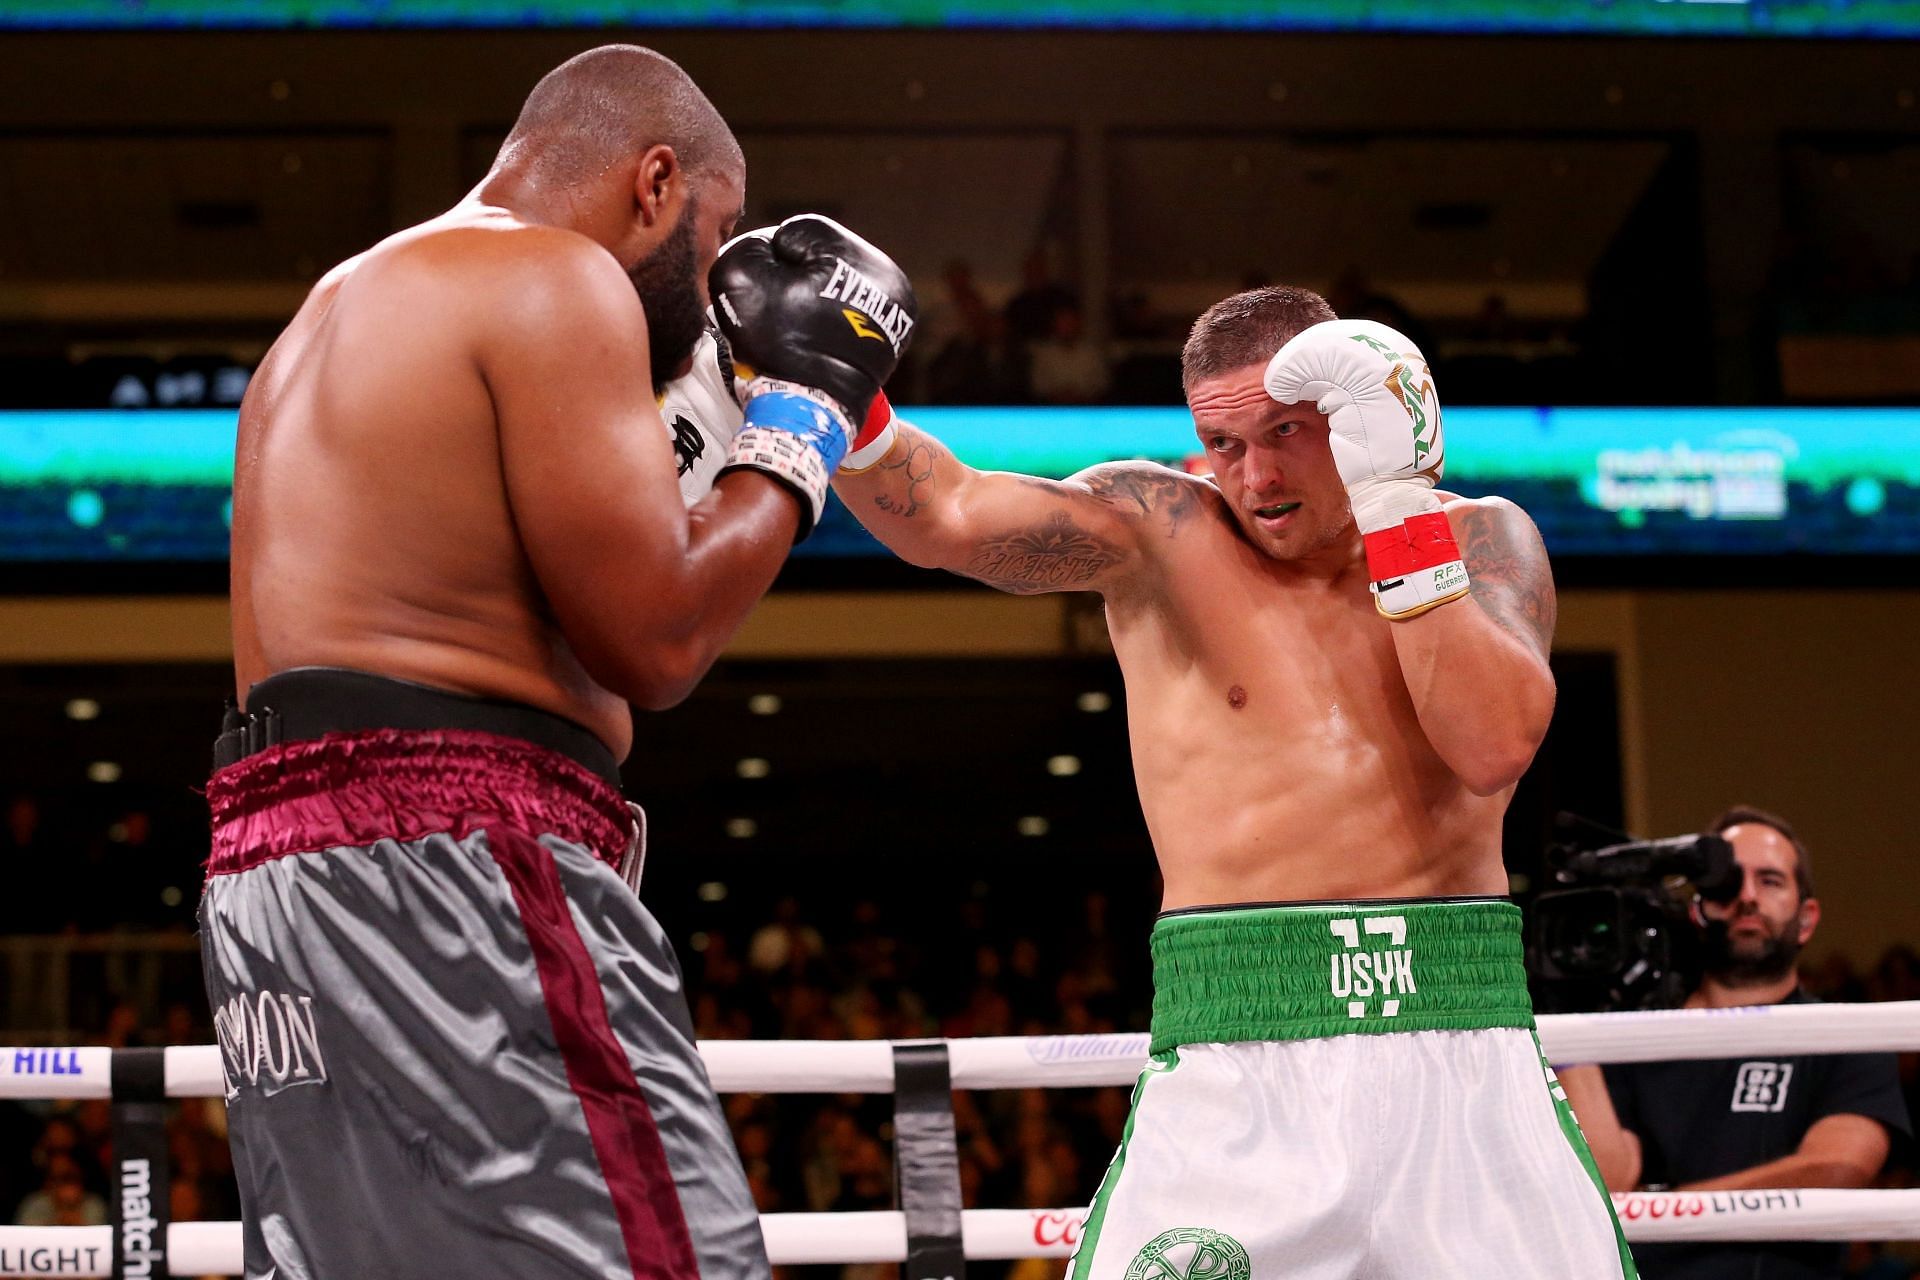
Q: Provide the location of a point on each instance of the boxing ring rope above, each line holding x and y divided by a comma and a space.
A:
1068, 1062
213, 1248
1022, 1062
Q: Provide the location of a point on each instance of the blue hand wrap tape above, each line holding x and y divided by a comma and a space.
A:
814, 423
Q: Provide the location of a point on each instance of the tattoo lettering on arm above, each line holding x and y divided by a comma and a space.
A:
1057, 555
1507, 562
913, 485
1145, 490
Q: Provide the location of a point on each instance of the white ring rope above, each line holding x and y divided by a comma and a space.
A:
1021, 1062
214, 1248
1063, 1062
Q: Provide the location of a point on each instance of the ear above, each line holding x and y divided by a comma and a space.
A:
659, 185
1809, 919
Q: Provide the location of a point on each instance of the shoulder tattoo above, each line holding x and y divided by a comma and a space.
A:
1144, 491
1511, 578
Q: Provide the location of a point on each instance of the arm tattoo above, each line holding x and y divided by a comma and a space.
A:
1511, 579
1146, 491
915, 465
1058, 555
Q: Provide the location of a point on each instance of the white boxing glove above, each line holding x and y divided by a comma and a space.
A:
1377, 393
701, 410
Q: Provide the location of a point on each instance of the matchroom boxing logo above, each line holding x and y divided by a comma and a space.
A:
269, 1042
138, 1257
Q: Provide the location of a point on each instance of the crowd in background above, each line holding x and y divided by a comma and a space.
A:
1037, 347
1033, 341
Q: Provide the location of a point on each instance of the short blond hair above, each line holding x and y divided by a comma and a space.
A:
1247, 329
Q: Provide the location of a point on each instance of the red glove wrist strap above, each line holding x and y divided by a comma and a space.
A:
1419, 542
879, 414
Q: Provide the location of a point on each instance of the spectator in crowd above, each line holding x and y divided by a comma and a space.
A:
1028, 319
63, 1199
785, 942
31, 867
968, 341
1354, 297
1030, 312
1806, 1120
1066, 367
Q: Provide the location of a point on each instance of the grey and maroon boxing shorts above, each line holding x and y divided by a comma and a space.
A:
455, 1043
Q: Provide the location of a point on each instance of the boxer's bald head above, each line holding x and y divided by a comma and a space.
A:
611, 104
620, 144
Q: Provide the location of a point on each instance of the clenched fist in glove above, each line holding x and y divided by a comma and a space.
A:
1374, 388
817, 319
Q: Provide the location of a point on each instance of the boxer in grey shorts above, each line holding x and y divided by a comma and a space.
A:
455, 1043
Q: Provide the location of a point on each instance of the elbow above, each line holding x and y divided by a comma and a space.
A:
665, 672
1619, 1179
1499, 759
661, 696
1496, 767
1618, 1163
1846, 1174
653, 674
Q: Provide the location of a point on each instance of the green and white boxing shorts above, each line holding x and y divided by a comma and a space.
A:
1348, 1092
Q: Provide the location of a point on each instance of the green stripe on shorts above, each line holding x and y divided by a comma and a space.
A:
1363, 968
1570, 1129
1081, 1265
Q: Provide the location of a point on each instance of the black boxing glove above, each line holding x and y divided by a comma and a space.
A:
817, 319
810, 302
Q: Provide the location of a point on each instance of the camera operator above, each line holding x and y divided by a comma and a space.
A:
1814, 1120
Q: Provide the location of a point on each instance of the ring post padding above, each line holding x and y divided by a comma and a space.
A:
927, 1159
139, 1212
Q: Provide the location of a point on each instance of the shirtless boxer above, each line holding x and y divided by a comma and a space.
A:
455, 1044
1329, 702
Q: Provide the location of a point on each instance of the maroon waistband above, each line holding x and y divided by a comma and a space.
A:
405, 784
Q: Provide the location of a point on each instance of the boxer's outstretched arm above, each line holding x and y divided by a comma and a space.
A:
1016, 533
1477, 667
646, 592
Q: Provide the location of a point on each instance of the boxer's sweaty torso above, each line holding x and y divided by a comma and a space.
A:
1276, 748
371, 523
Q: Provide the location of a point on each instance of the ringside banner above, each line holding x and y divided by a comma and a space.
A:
155, 486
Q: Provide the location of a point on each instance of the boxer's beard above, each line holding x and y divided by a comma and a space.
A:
668, 282
1750, 962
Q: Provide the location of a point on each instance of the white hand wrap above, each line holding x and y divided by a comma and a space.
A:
796, 434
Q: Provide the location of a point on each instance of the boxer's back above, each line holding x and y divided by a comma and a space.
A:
371, 524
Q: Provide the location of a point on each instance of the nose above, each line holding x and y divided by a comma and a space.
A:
1261, 472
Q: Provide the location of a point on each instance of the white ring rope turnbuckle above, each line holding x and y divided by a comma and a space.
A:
1024, 1062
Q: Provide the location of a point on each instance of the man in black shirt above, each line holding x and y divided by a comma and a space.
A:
1814, 1120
